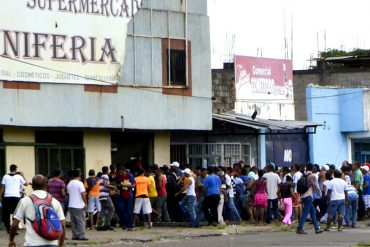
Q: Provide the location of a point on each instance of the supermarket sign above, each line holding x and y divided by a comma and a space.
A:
64, 41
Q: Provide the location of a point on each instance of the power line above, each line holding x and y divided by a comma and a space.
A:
156, 91
304, 98
99, 80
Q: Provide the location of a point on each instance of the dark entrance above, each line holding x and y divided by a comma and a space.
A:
362, 151
59, 150
128, 147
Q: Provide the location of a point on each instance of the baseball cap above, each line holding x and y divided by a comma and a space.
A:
366, 168
187, 171
326, 167
175, 163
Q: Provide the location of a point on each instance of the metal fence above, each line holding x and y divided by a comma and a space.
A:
211, 154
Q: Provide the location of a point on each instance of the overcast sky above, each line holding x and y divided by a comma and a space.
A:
260, 26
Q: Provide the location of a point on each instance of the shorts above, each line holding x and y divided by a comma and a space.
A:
93, 203
366, 199
260, 200
144, 204
296, 202
337, 206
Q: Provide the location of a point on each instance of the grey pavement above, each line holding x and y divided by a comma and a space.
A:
231, 236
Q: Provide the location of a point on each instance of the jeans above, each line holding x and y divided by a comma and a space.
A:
336, 207
351, 210
188, 207
308, 208
77, 222
198, 208
126, 211
161, 207
234, 214
210, 205
107, 211
272, 204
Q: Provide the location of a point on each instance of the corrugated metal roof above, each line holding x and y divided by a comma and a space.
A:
244, 120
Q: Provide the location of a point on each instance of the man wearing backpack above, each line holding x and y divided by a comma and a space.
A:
307, 199
26, 210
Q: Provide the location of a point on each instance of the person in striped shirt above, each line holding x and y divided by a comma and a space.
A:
57, 187
107, 207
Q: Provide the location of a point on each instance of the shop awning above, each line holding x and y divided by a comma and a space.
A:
243, 120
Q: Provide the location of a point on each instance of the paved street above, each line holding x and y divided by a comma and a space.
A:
234, 236
345, 238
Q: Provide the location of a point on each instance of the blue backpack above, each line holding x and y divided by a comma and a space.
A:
47, 223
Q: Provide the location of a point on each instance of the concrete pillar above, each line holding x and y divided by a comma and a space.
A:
262, 148
162, 144
22, 155
97, 146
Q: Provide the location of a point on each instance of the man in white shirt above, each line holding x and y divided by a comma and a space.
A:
11, 185
188, 206
26, 210
337, 192
272, 183
230, 183
77, 206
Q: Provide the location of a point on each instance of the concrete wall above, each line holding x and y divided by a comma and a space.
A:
340, 78
22, 155
97, 146
223, 88
145, 108
162, 143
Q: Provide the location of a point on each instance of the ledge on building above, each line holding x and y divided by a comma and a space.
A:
21, 85
100, 89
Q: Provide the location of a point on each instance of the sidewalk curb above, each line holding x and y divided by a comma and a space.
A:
216, 233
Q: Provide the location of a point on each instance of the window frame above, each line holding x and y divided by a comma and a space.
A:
167, 46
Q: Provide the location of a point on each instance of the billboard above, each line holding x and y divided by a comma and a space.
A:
64, 41
263, 79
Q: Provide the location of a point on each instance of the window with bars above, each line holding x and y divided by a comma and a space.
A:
176, 64
211, 154
48, 159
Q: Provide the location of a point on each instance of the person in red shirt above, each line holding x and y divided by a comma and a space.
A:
161, 182
125, 183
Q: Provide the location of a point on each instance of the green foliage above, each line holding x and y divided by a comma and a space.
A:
340, 53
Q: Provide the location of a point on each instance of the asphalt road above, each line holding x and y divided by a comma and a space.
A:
349, 237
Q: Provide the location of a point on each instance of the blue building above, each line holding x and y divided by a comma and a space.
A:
345, 117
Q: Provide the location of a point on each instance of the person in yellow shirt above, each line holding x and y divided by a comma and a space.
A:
153, 194
142, 196
92, 187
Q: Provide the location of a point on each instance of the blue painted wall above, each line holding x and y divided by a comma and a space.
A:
329, 144
352, 109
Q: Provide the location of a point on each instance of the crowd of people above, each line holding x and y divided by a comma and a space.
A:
217, 195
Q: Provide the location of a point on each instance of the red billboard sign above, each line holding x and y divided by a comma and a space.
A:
263, 79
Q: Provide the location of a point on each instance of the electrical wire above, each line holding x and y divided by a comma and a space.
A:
98, 80
160, 92
304, 98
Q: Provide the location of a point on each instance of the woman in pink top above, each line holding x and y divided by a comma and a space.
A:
260, 199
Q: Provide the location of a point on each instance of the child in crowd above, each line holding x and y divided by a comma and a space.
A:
286, 195
260, 199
